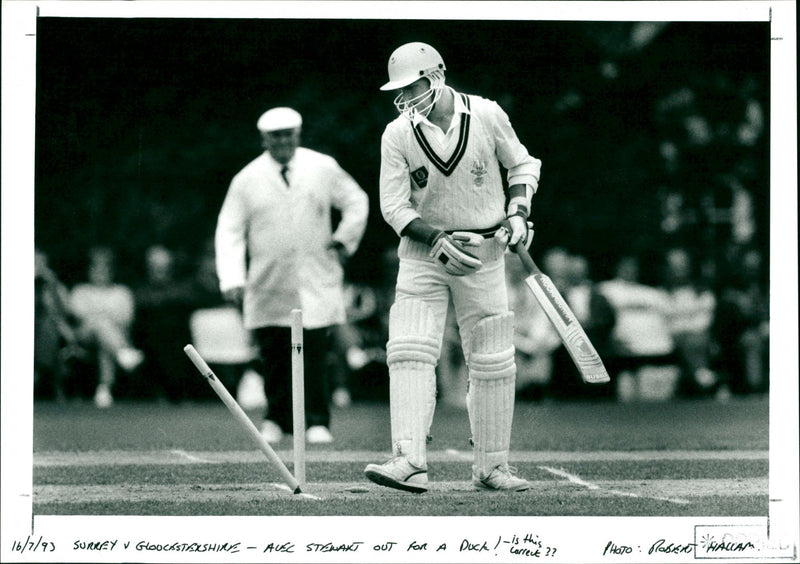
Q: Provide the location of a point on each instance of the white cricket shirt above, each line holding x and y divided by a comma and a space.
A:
452, 180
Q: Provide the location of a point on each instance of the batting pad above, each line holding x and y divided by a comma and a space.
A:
411, 354
490, 400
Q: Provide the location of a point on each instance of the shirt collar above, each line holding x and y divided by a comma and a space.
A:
276, 165
458, 108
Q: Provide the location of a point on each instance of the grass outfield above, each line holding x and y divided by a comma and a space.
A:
682, 458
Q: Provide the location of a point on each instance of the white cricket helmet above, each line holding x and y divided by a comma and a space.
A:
409, 63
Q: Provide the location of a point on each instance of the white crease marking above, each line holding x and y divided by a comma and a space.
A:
187, 456
577, 480
136, 458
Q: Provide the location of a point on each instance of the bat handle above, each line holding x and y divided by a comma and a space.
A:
526, 259
523, 253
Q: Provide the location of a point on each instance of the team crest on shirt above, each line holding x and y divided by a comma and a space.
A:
478, 172
420, 176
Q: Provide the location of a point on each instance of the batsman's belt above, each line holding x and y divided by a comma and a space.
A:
487, 233
490, 250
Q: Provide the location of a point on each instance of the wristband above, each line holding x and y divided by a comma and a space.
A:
518, 210
518, 206
435, 236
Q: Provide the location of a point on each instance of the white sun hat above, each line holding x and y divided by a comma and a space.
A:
277, 119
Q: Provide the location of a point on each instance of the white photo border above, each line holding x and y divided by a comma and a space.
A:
577, 534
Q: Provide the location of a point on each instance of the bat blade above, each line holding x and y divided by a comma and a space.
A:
577, 343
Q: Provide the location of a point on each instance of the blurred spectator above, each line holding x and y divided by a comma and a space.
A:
54, 341
218, 334
205, 284
535, 338
555, 263
161, 329
742, 326
641, 336
104, 311
690, 316
369, 378
350, 352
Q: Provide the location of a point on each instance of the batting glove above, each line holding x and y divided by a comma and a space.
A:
456, 260
514, 230
467, 238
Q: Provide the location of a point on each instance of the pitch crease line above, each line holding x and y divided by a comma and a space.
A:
577, 480
181, 456
187, 456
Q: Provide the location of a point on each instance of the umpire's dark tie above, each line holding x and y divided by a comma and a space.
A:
284, 170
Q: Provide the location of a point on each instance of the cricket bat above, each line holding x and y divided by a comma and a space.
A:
575, 340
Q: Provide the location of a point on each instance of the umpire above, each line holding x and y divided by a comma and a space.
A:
276, 251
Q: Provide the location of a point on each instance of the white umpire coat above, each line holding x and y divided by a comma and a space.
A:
274, 240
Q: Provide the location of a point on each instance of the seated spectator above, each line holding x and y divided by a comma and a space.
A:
104, 311
690, 315
369, 376
161, 330
54, 339
641, 336
742, 326
350, 352
218, 333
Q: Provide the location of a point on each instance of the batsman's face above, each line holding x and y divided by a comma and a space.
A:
415, 89
417, 93
281, 144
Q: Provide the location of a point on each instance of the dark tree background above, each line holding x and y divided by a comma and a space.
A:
142, 122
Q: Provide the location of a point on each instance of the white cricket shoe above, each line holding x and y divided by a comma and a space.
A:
129, 358
705, 378
357, 358
102, 397
501, 478
318, 434
400, 474
271, 431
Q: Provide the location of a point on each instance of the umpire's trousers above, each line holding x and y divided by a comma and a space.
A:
275, 346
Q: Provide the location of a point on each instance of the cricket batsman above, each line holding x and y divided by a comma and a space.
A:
441, 190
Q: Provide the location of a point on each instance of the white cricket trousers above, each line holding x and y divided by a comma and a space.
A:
475, 296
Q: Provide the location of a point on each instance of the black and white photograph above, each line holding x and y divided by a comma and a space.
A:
399, 282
